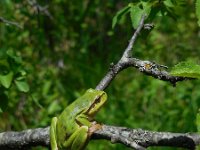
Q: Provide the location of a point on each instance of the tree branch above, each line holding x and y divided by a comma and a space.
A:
135, 138
115, 69
147, 67
141, 139
40, 9
24, 139
128, 50
7, 22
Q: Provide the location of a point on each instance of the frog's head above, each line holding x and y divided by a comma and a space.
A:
96, 100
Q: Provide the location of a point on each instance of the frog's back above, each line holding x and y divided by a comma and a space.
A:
67, 119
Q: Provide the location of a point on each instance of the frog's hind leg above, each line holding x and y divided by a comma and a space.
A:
78, 140
53, 134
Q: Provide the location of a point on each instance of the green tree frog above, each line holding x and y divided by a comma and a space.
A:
72, 129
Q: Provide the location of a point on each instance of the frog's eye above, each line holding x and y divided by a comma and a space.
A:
97, 104
97, 100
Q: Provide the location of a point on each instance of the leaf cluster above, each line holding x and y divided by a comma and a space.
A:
152, 9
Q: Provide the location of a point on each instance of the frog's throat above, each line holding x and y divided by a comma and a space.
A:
97, 104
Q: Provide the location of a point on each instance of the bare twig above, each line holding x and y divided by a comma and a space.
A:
115, 69
7, 22
135, 138
128, 50
145, 66
40, 9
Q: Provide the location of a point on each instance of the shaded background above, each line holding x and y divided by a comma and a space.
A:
71, 53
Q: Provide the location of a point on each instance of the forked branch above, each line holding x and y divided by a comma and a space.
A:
135, 138
147, 67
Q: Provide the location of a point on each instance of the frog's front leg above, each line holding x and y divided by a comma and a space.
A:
83, 120
87, 121
53, 134
78, 140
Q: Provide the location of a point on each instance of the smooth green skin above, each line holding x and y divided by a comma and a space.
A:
70, 130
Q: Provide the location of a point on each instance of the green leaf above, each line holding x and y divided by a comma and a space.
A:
6, 80
22, 85
46, 88
186, 69
198, 11
53, 107
119, 14
173, 8
36, 100
136, 14
168, 3
146, 8
12, 55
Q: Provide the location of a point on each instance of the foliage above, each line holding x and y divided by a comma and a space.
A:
151, 9
12, 73
57, 60
186, 69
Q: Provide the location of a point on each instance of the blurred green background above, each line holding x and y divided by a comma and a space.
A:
57, 60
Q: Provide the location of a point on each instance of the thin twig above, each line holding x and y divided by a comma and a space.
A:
147, 67
7, 22
152, 69
128, 50
115, 69
40, 9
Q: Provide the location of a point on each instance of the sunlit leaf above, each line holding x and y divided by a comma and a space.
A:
53, 107
119, 15
146, 8
136, 14
186, 69
168, 3
137, 11
6, 80
22, 85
